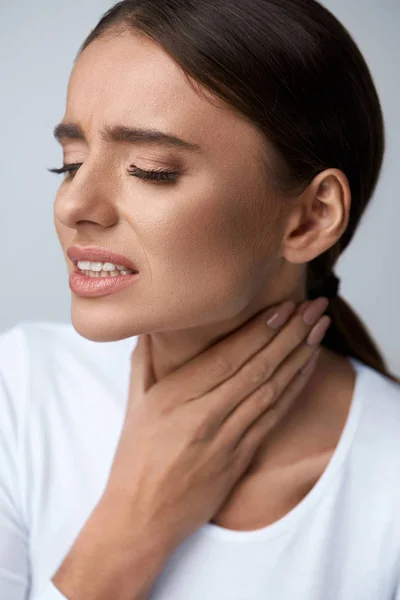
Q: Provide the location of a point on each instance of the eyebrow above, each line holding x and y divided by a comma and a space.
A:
132, 135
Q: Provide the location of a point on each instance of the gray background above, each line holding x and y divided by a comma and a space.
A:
38, 42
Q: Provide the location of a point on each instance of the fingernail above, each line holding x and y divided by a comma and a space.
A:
277, 317
302, 309
315, 310
318, 332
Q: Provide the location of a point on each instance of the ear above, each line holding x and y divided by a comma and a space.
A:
317, 218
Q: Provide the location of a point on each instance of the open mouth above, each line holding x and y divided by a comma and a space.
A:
97, 269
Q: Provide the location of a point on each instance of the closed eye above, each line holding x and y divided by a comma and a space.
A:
159, 175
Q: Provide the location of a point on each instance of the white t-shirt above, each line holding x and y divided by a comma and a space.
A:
62, 406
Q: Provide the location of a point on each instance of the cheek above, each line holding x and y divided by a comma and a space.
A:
209, 251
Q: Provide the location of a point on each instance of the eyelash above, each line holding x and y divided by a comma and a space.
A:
153, 176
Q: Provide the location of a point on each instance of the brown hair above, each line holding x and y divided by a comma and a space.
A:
294, 70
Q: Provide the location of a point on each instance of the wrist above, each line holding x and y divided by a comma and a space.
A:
111, 558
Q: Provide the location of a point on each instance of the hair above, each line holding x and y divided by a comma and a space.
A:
293, 70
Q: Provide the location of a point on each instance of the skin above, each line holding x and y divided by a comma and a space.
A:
212, 249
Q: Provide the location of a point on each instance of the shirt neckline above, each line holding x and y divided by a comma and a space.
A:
338, 456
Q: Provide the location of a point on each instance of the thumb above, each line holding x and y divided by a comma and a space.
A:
142, 374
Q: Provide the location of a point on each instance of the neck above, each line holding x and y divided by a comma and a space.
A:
172, 349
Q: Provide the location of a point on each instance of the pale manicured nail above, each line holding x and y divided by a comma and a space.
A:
278, 316
318, 332
315, 310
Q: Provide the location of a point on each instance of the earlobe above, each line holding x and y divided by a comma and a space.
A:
318, 219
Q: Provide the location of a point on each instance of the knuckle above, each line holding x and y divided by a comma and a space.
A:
271, 417
260, 373
270, 390
199, 430
261, 398
220, 366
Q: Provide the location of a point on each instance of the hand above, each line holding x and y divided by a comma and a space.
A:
188, 438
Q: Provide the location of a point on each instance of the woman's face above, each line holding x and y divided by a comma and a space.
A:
207, 245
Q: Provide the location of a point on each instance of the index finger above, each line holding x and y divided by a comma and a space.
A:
224, 358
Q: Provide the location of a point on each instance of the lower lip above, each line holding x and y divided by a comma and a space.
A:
90, 287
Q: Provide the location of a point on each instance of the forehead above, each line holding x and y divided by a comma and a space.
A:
128, 79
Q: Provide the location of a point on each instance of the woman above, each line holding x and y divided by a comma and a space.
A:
227, 153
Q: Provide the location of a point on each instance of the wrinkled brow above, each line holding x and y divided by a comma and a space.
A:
132, 135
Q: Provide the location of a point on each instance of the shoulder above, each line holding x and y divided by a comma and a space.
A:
379, 398
376, 418
52, 382
50, 340
28, 344
38, 357
17, 340
40, 339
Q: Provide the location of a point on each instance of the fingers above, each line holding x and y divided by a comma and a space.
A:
219, 362
271, 401
261, 369
294, 334
246, 445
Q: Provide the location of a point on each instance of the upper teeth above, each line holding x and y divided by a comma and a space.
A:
98, 266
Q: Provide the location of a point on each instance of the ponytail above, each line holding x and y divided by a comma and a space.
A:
347, 334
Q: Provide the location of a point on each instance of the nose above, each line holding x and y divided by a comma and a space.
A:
88, 198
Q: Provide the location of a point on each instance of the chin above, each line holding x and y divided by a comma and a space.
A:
100, 326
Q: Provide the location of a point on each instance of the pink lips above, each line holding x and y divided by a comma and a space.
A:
89, 287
